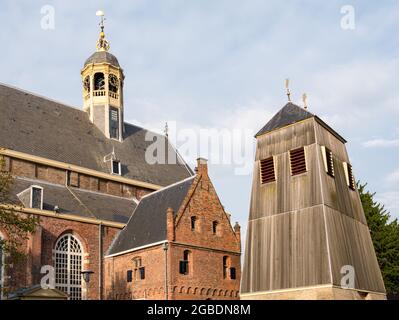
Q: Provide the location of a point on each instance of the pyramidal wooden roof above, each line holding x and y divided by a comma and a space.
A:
290, 114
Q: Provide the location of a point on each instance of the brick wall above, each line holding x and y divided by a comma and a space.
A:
205, 279
26, 169
39, 248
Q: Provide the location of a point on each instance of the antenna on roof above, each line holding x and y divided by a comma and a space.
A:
305, 101
287, 87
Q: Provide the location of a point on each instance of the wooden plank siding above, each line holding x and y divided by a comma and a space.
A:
302, 229
286, 251
350, 244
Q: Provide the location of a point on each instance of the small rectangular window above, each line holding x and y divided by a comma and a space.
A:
114, 123
37, 198
267, 173
350, 179
183, 267
298, 161
233, 273
193, 223
129, 275
142, 273
328, 161
116, 167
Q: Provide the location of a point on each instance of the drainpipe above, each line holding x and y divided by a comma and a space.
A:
100, 261
165, 248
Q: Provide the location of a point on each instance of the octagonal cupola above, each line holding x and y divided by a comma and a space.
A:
102, 84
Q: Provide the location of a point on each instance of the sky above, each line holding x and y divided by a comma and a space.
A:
220, 66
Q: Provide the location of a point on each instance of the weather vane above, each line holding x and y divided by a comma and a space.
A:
101, 14
305, 101
102, 43
166, 130
287, 86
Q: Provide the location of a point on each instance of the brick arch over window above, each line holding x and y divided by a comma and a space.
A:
68, 254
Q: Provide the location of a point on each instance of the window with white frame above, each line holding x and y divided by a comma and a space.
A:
116, 167
68, 266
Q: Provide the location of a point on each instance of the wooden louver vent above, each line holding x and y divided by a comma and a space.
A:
328, 161
298, 161
350, 179
267, 170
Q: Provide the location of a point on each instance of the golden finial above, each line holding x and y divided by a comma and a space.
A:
287, 87
102, 43
305, 101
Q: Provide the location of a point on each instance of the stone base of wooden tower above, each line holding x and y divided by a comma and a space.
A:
315, 293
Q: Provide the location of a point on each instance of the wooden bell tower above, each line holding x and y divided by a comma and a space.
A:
307, 231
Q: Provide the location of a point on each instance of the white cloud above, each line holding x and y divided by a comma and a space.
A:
381, 143
391, 202
393, 177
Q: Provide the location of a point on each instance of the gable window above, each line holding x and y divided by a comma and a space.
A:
226, 264
37, 198
215, 227
328, 161
116, 167
193, 223
142, 273
350, 179
137, 266
267, 173
298, 161
129, 276
114, 123
184, 267
233, 273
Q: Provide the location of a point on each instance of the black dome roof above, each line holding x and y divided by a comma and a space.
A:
101, 57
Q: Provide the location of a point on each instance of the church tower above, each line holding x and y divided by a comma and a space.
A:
307, 235
102, 79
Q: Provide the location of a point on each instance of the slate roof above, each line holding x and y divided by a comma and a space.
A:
102, 56
291, 113
148, 222
81, 203
48, 129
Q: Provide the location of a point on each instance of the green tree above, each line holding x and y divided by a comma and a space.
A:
385, 235
15, 225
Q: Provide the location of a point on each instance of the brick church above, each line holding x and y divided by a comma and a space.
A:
145, 231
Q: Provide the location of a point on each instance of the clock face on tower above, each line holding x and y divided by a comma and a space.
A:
113, 83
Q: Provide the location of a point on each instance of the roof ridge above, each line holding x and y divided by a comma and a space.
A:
40, 96
167, 187
64, 104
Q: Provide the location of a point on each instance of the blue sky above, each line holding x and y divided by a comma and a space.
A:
221, 64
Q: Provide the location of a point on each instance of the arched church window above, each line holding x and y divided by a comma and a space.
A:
113, 83
86, 84
99, 81
68, 266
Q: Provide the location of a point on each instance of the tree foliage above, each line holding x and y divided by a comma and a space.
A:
385, 235
15, 226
